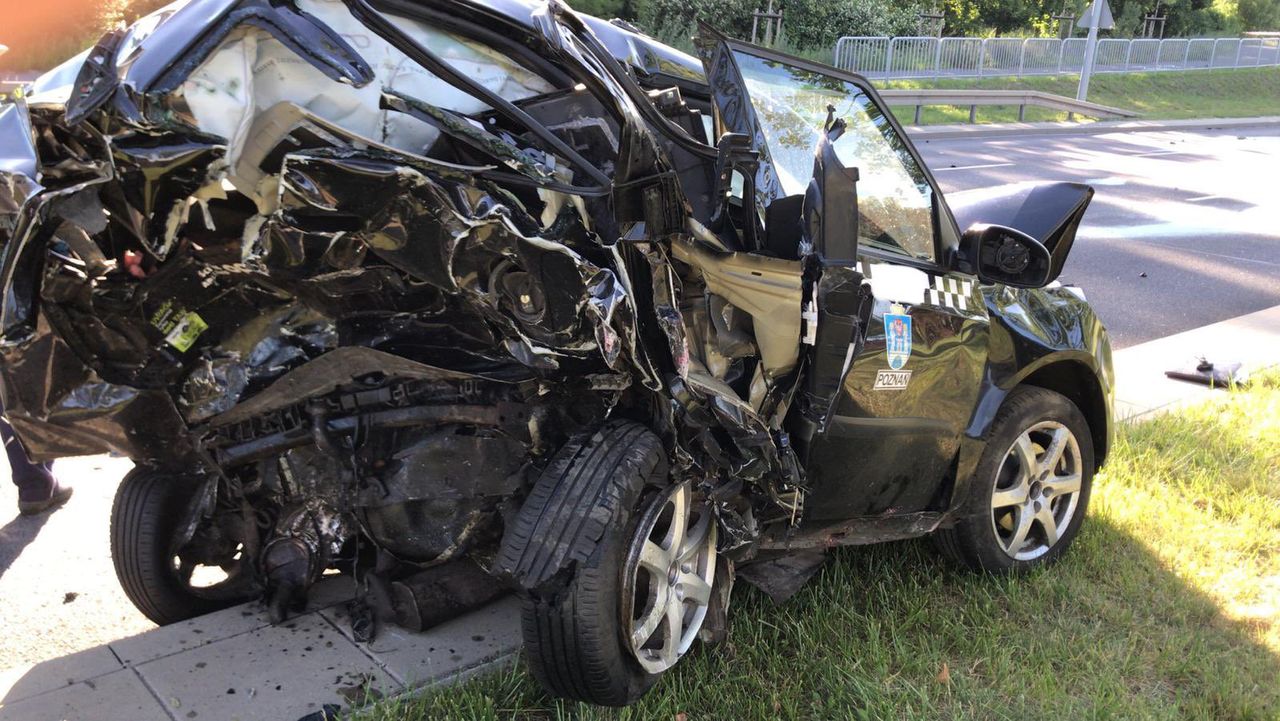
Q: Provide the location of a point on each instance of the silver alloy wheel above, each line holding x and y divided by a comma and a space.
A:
668, 577
1036, 490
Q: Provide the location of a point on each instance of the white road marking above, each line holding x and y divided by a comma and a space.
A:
1204, 197
1235, 257
975, 167
1157, 152
1153, 233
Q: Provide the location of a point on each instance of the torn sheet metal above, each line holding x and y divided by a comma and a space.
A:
363, 273
19, 176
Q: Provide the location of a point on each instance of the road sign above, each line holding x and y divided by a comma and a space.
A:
1104, 22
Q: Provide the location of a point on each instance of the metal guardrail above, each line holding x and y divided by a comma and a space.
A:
1021, 98
932, 57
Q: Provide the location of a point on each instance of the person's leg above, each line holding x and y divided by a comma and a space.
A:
38, 488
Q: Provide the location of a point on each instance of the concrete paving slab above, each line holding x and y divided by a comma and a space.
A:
220, 625
475, 641
21, 683
330, 591
190, 634
58, 592
277, 673
118, 696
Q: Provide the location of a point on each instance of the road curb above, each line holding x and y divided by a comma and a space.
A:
955, 132
1142, 389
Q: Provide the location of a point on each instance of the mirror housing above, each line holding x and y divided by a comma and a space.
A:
1049, 212
1000, 254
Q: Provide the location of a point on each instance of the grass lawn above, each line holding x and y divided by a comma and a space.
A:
1165, 95
1167, 607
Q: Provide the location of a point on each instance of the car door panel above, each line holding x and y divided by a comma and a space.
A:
892, 440
908, 390
836, 302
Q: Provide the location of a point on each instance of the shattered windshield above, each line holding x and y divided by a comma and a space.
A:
894, 198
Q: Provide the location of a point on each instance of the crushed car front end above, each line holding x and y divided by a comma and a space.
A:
349, 276
464, 296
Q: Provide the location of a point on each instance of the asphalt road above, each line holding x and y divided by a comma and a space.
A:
1184, 229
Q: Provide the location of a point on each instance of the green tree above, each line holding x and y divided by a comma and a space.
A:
996, 17
607, 9
807, 24
1259, 14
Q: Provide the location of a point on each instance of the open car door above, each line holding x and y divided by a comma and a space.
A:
835, 181
807, 214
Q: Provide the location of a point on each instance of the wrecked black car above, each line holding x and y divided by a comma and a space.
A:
384, 287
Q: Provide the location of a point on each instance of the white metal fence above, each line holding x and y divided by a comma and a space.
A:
931, 57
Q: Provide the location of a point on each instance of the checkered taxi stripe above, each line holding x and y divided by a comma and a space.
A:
943, 291
949, 292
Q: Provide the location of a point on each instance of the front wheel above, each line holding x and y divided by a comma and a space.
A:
165, 585
634, 605
1029, 492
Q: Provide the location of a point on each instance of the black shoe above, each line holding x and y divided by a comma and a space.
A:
57, 496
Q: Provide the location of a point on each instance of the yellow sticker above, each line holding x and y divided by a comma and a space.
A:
186, 331
181, 327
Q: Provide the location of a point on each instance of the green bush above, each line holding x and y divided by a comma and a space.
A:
806, 25
1019, 17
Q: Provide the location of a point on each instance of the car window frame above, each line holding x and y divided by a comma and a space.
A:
946, 233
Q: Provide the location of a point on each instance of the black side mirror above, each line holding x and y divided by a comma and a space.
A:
1000, 254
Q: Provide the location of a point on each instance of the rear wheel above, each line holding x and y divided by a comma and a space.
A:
634, 606
160, 583
1030, 490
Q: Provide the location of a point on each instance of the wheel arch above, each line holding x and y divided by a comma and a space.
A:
1080, 384
1074, 375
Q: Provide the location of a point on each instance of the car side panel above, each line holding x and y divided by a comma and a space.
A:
1048, 338
888, 451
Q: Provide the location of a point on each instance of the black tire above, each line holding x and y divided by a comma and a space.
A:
973, 540
572, 636
147, 509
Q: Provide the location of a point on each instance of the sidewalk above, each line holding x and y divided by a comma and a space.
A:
233, 665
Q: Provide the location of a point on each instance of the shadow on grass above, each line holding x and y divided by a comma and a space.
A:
893, 631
